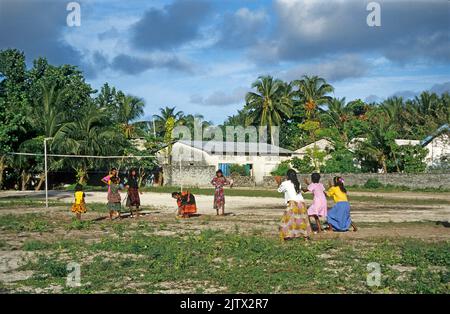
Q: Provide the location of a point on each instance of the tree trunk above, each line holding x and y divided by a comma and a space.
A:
141, 176
41, 181
2, 169
82, 175
25, 179
383, 163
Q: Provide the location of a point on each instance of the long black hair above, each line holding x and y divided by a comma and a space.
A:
315, 177
339, 181
130, 173
292, 176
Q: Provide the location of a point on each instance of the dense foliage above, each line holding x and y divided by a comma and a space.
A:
55, 102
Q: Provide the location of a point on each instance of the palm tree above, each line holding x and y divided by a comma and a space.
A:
380, 144
337, 114
46, 119
166, 114
130, 108
193, 121
88, 135
270, 103
313, 93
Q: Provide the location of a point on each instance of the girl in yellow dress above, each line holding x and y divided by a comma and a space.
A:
79, 206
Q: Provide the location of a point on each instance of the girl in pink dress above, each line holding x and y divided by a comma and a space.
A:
318, 207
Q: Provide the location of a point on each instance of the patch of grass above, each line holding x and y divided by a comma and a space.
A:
48, 267
36, 245
26, 201
238, 262
25, 222
397, 188
76, 224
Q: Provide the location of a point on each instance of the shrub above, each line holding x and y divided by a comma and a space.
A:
373, 184
341, 161
303, 165
238, 169
281, 169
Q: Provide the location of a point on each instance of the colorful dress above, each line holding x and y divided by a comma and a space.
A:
294, 222
107, 179
79, 206
133, 199
114, 199
186, 204
339, 215
319, 204
219, 196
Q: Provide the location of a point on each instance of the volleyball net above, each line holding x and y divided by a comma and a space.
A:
44, 172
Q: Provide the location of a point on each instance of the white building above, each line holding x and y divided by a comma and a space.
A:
321, 145
259, 158
438, 145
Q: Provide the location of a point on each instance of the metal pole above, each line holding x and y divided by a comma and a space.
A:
154, 129
181, 177
46, 181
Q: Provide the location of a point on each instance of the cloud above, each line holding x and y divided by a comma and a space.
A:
405, 94
109, 34
440, 88
340, 68
409, 94
410, 30
221, 98
37, 27
170, 27
242, 28
134, 65
373, 99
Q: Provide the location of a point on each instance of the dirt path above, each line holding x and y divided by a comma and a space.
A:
362, 211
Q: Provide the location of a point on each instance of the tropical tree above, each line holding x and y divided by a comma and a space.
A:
130, 108
379, 146
14, 101
166, 114
313, 92
89, 135
45, 119
270, 103
337, 115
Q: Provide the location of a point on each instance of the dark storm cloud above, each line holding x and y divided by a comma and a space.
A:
170, 27
134, 65
36, 28
409, 30
242, 28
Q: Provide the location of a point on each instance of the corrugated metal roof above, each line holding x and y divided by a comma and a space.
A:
217, 147
429, 138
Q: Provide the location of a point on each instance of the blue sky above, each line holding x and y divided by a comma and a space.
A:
203, 55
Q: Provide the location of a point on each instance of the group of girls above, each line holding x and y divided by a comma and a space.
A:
296, 220
112, 180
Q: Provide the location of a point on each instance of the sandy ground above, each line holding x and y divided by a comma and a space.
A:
268, 207
249, 214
